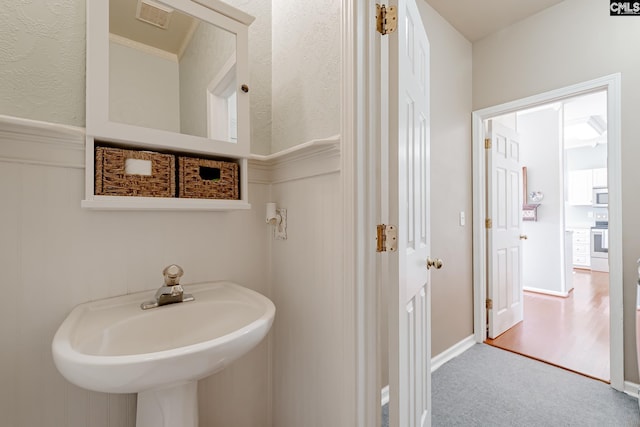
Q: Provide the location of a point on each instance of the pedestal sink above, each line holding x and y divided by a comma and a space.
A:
114, 346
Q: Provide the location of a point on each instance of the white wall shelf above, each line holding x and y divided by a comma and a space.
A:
113, 103
103, 202
161, 203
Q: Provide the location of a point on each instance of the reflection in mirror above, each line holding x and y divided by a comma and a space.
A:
170, 71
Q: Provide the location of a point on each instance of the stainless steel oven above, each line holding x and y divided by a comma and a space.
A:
600, 246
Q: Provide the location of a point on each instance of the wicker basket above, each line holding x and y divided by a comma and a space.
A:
207, 179
112, 178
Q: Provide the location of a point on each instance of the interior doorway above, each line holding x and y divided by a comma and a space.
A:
610, 85
564, 228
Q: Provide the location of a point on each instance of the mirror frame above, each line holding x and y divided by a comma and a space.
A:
98, 124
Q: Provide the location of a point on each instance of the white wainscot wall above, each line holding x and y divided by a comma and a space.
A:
309, 368
55, 255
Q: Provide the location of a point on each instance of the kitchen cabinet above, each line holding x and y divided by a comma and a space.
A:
581, 184
580, 187
599, 177
581, 248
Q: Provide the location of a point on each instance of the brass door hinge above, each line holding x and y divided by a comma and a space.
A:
386, 19
489, 304
386, 238
488, 223
487, 143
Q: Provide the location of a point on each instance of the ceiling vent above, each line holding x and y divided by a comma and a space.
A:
154, 13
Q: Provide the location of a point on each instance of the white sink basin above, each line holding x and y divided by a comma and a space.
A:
114, 346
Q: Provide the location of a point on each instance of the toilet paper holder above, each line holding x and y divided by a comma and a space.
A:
278, 218
272, 214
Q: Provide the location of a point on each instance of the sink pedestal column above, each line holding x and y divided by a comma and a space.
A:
169, 406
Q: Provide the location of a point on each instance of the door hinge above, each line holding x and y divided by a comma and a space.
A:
489, 304
487, 143
488, 223
386, 238
386, 19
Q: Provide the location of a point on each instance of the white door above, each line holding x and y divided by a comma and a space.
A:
407, 156
504, 247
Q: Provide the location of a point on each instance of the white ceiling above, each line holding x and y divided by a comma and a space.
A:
476, 19
593, 104
578, 111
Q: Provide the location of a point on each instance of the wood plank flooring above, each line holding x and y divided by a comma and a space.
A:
571, 332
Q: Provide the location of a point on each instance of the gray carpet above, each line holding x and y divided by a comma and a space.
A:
486, 386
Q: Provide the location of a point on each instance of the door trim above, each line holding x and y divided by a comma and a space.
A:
357, 129
612, 84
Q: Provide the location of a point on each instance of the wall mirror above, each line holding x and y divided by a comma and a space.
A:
168, 73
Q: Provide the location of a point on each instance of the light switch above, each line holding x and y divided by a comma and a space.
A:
462, 219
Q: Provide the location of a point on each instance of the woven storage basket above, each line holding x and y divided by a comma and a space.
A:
207, 179
112, 179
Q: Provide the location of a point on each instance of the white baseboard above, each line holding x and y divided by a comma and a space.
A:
452, 352
439, 360
384, 395
546, 291
631, 389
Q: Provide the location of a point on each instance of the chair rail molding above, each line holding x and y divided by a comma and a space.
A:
310, 159
41, 143
51, 144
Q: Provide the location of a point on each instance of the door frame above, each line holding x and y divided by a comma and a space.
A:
363, 270
358, 186
612, 84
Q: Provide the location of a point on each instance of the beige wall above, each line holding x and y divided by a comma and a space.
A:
134, 98
306, 72
42, 58
452, 287
202, 61
573, 42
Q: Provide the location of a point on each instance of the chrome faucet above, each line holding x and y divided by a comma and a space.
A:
171, 292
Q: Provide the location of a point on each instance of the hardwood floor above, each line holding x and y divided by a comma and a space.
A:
572, 332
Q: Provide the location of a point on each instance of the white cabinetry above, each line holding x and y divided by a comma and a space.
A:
581, 248
211, 105
599, 177
581, 184
580, 187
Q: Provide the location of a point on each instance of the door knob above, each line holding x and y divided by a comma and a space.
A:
523, 237
437, 263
